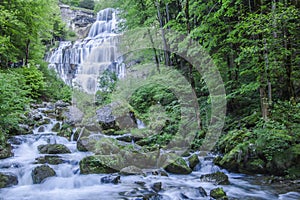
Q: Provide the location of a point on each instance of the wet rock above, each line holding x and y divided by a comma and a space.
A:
111, 179
218, 178
160, 173
53, 149
101, 164
141, 183
56, 127
40, 173
16, 140
219, 194
131, 170
52, 160
41, 129
156, 186
193, 161
7, 180
76, 134
5, 151
178, 166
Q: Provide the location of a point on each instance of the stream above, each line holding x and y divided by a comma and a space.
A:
70, 184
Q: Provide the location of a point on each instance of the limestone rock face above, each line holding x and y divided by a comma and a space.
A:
78, 20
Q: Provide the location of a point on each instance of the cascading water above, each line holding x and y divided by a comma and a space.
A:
80, 63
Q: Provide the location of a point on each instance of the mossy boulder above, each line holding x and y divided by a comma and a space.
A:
101, 164
178, 166
218, 193
193, 161
56, 127
218, 178
106, 146
66, 131
40, 173
52, 160
53, 149
7, 180
5, 151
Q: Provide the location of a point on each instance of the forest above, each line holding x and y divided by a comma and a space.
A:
255, 45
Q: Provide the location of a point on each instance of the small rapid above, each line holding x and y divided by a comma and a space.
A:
69, 184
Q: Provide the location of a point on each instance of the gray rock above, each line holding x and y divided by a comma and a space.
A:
111, 179
40, 173
53, 149
218, 178
73, 115
131, 170
156, 186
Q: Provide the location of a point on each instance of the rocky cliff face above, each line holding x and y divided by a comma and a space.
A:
79, 21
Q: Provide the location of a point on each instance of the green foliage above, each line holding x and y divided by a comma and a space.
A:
14, 95
34, 80
55, 89
107, 84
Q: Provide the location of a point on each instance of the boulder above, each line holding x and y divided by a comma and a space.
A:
218, 193
40, 173
53, 149
131, 170
7, 180
5, 151
178, 166
111, 179
101, 164
56, 127
193, 161
73, 115
106, 146
218, 178
52, 160
115, 117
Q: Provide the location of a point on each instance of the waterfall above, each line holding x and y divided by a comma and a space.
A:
80, 63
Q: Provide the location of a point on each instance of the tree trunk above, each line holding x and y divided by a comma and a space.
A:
27, 51
166, 53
